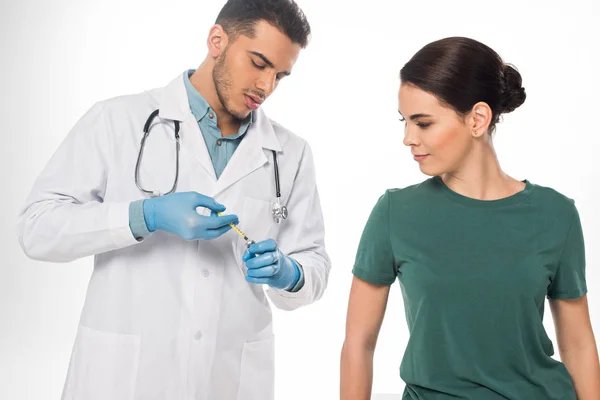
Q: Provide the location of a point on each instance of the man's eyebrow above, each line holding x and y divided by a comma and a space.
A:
267, 61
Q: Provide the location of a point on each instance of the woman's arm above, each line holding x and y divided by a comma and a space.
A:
577, 345
366, 309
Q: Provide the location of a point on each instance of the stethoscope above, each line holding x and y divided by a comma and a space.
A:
278, 210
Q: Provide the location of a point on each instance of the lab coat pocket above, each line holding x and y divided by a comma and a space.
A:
257, 372
104, 366
257, 220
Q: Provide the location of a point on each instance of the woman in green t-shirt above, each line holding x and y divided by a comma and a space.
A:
476, 252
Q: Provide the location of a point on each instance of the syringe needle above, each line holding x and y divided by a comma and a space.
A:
235, 228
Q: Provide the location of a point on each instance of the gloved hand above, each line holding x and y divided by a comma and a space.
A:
267, 264
176, 213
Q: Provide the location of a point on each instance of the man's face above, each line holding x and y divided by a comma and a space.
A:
249, 69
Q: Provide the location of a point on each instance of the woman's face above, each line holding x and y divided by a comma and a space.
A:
438, 137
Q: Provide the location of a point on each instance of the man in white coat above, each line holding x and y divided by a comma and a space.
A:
176, 307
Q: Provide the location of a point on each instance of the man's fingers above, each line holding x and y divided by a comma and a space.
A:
263, 247
263, 260
264, 281
247, 255
201, 200
215, 233
218, 222
263, 272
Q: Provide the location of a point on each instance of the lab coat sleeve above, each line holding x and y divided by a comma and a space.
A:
303, 239
65, 217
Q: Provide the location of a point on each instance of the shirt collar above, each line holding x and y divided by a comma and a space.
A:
198, 105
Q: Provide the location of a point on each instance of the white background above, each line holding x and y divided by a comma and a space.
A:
59, 57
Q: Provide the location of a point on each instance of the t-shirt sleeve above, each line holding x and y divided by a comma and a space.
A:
374, 261
569, 279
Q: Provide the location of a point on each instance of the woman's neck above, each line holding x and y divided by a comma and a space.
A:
481, 177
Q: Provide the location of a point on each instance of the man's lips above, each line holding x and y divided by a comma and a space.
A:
252, 102
256, 99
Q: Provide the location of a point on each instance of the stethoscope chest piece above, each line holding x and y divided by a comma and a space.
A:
279, 212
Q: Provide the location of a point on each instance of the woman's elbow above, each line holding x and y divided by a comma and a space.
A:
362, 344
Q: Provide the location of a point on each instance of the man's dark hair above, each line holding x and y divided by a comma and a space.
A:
238, 17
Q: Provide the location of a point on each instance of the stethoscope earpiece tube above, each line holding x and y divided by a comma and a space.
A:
147, 125
279, 211
149, 121
276, 166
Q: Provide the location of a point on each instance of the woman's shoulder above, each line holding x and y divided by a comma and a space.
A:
412, 192
549, 197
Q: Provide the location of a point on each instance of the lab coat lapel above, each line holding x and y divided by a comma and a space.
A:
194, 142
250, 155
174, 105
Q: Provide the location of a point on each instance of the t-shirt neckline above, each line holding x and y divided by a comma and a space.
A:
471, 202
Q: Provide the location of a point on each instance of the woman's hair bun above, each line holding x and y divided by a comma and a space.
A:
513, 93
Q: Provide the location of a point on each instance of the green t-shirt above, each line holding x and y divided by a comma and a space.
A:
474, 275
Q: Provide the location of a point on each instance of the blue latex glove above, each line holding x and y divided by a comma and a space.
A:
176, 213
267, 264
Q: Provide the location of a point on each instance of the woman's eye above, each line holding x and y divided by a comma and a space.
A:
402, 119
423, 125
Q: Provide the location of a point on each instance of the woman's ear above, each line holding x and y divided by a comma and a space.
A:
481, 118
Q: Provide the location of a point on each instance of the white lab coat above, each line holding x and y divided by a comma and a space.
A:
166, 318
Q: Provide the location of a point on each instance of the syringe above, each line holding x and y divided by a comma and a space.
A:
242, 234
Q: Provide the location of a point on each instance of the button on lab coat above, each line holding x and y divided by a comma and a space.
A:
166, 318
